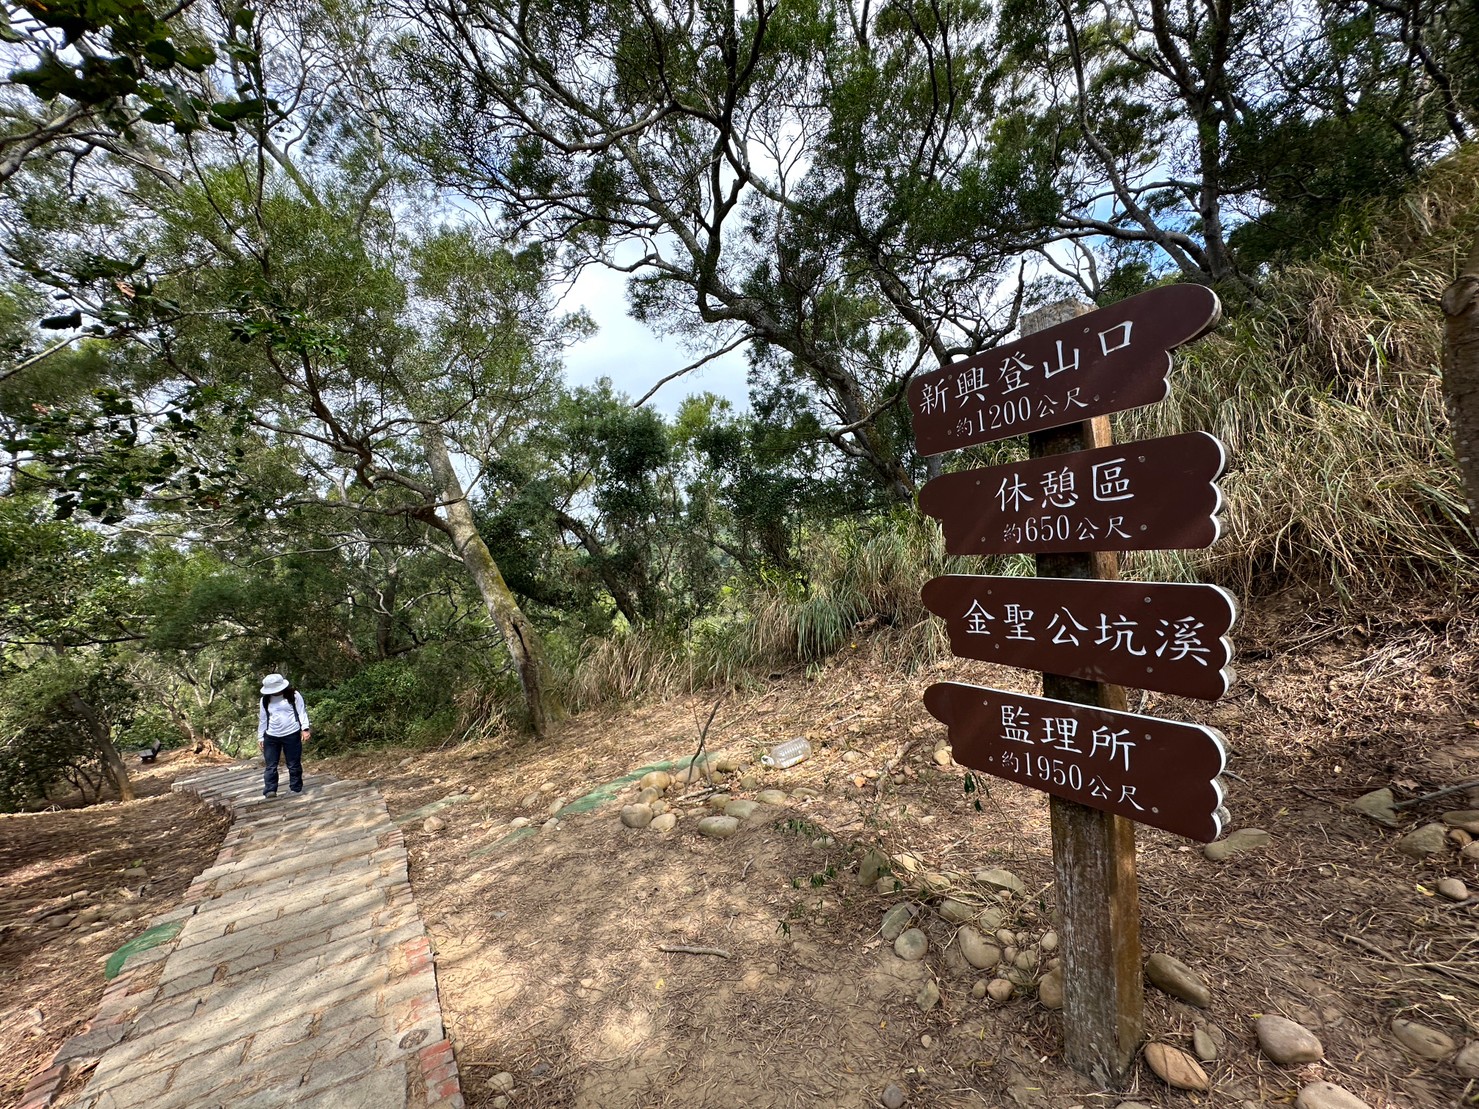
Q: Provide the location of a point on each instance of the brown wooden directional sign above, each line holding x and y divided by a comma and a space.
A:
1157, 772
1157, 494
1149, 635
1106, 361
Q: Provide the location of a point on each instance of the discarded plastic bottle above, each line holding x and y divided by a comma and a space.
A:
788, 753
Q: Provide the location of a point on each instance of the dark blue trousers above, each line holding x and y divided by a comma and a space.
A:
290, 749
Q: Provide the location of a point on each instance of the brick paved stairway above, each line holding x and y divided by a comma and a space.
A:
301, 975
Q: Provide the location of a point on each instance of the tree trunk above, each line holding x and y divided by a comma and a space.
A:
112, 762
519, 635
1461, 375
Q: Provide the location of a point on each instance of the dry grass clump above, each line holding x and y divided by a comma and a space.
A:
854, 578
1328, 396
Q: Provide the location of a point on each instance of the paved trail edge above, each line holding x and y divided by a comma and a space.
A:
301, 973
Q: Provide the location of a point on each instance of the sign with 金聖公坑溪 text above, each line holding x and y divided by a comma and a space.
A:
1163, 636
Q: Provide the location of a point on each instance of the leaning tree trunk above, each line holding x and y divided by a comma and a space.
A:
1461, 375
519, 635
112, 762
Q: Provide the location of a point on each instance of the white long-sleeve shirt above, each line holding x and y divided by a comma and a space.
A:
277, 717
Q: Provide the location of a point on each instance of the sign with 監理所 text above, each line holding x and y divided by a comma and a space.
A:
1157, 494
1154, 771
1168, 637
1109, 360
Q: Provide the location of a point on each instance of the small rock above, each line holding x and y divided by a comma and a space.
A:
499, 1102
1430, 839
1287, 1042
804, 793
999, 990
1453, 889
957, 912
771, 797
1378, 805
895, 921
518, 822
503, 1082
647, 796
927, 997
1026, 959
136, 874
1327, 1095
888, 884
1050, 989
852, 756
1176, 1068
990, 918
664, 822
1467, 819
740, 809
1467, 1060
1207, 1040
636, 816
1460, 838
978, 951
942, 757
433, 824
926, 1040
659, 807
1422, 1040
1244, 839
872, 866
1006, 937
555, 806
1177, 979
934, 882
911, 945
1471, 852
718, 827
905, 863
656, 779
530, 801
1001, 880
978, 991
1049, 941
892, 1097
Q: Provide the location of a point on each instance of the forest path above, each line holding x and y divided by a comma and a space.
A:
297, 971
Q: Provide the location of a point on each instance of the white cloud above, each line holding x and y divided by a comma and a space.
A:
635, 357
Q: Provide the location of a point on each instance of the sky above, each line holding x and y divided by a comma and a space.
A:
635, 357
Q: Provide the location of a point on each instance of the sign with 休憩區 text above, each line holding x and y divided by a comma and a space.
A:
1157, 772
1109, 360
1157, 494
1167, 637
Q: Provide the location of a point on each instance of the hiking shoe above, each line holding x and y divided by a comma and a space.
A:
269, 796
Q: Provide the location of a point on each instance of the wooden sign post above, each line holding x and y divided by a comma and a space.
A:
1093, 850
1074, 503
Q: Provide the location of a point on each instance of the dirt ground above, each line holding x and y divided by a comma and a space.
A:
548, 942
66, 904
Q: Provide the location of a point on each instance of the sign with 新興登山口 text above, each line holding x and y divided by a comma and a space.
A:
1157, 494
1109, 360
1157, 772
1167, 637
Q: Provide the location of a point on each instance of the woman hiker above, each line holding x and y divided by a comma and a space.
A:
282, 726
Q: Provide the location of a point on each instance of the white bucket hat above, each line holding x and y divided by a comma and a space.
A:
273, 683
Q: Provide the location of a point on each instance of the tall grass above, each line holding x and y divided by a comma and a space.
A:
1328, 396
856, 578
